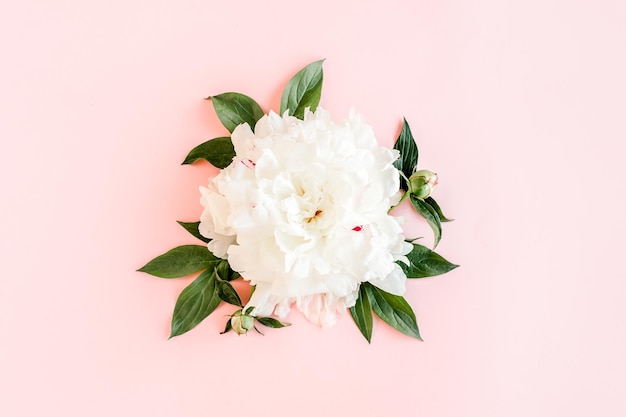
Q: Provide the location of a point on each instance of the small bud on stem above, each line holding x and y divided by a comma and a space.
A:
241, 322
422, 183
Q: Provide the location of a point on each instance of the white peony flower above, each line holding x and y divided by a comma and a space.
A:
302, 213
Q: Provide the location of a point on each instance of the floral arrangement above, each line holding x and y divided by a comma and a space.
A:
301, 211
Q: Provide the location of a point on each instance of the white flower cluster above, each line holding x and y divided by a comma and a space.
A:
302, 213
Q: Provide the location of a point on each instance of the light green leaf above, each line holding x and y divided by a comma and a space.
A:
195, 303
234, 109
431, 216
219, 152
180, 261
393, 310
303, 90
408, 154
272, 322
193, 229
425, 263
362, 314
431, 202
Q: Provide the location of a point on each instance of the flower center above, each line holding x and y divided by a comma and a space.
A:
308, 206
317, 213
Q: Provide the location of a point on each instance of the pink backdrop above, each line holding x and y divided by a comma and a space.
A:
518, 105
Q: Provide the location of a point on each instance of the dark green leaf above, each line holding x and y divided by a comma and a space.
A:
195, 303
222, 269
227, 292
303, 90
393, 310
362, 314
234, 109
431, 216
180, 262
193, 229
227, 328
425, 263
225, 272
248, 310
408, 154
431, 202
272, 322
219, 152
233, 275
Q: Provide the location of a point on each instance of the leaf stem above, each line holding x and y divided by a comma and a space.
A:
404, 197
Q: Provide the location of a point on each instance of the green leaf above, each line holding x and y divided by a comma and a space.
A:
195, 303
272, 322
227, 292
362, 314
431, 202
303, 90
408, 154
219, 152
193, 229
227, 328
431, 216
225, 272
425, 263
180, 261
233, 275
393, 310
234, 109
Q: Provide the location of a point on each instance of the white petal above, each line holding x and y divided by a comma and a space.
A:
302, 213
394, 283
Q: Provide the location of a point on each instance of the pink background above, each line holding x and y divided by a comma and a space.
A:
518, 105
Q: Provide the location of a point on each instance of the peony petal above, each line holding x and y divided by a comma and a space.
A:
394, 283
302, 213
243, 140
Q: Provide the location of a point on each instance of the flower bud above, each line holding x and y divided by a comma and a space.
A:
422, 183
241, 323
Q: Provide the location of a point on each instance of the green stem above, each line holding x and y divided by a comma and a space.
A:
404, 197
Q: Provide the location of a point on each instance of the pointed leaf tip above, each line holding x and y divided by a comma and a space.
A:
180, 261
303, 90
272, 322
424, 263
195, 303
219, 152
431, 201
362, 314
192, 228
393, 310
430, 215
407, 147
